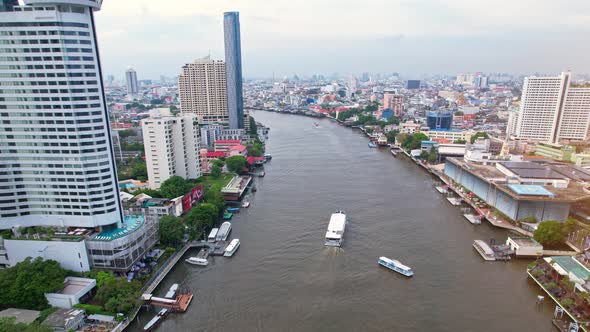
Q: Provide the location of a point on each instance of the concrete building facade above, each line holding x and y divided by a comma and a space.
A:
171, 148
203, 90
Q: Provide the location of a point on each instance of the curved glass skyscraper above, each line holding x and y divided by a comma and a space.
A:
233, 67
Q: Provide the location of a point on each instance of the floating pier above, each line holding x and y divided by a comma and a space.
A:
454, 201
474, 219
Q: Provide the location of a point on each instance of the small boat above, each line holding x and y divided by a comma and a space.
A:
336, 228
232, 247
246, 204
171, 292
372, 145
393, 152
233, 209
267, 156
486, 252
227, 215
254, 189
197, 261
316, 124
396, 266
212, 235
261, 174
154, 322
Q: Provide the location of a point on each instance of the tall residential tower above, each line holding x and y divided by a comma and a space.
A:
552, 110
131, 80
233, 61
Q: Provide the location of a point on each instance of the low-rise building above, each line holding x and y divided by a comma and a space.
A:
74, 291
524, 246
451, 135
65, 320
410, 128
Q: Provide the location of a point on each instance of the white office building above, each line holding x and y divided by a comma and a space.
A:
203, 91
171, 147
57, 170
552, 110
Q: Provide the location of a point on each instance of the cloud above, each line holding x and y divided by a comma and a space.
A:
158, 37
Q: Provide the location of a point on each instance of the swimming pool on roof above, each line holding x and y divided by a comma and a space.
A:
530, 190
130, 225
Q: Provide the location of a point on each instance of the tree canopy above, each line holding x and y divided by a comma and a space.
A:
201, 218
117, 295
236, 164
214, 196
175, 186
255, 149
479, 134
411, 142
171, 231
215, 171
550, 233
9, 324
24, 285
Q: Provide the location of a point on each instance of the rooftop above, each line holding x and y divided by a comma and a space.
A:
528, 169
570, 265
530, 190
130, 225
21, 315
525, 241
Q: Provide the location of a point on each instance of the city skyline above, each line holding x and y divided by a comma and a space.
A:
414, 38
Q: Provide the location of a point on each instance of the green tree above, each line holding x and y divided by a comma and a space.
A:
219, 163
215, 197
460, 141
550, 233
253, 126
102, 277
200, 218
402, 138
175, 186
150, 192
24, 285
479, 134
570, 225
529, 219
432, 155
255, 149
414, 141
171, 231
236, 164
117, 295
139, 171
216, 171
9, 324
391, 136
127, 133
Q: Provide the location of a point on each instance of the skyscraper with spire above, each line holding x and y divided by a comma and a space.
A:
233, 63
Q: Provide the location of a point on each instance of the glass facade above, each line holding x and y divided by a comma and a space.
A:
233, 65
439, 120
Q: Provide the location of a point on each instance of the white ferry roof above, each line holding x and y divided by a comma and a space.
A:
213, 233
174, 287
232, 244
336, 226
485, 247
225, 227
197, 259
396, 263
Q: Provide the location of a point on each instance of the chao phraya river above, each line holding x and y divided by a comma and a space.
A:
283, 278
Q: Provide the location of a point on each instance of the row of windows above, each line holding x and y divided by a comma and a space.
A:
44, 24
52, 106
50, 173
44, 33
32, 75
52, 115
2, 99
43, 41
18, 67
35, 91
45, 50
53, 151
46, 58
54, 129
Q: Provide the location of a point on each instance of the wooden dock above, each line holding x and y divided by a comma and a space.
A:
219, 248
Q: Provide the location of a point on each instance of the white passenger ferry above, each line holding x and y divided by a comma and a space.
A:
484, 250
224, 231
396, 266
197, 261
336, 228
213, 235
232, 247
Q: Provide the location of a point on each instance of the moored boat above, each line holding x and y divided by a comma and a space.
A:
246, 204
171, 292
372, 145
227, 215
396, 266
224, 231
484, 250
336, 228
233, 209
232, 247
197, 261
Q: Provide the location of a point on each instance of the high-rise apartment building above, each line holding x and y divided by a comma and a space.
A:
552, 110
57, 171
203, 91
132, 84
233, 60
394, 102
172, 146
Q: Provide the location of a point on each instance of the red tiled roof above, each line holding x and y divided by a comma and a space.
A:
239, 148
252, 160
227, 141
215, 154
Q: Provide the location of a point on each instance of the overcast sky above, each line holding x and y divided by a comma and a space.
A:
413, 37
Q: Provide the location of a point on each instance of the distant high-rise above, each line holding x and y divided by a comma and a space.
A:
552, 110
394, 102
413, 84
203, 90
233, 61
132, 85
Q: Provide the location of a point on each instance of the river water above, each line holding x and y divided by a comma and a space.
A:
283, 278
